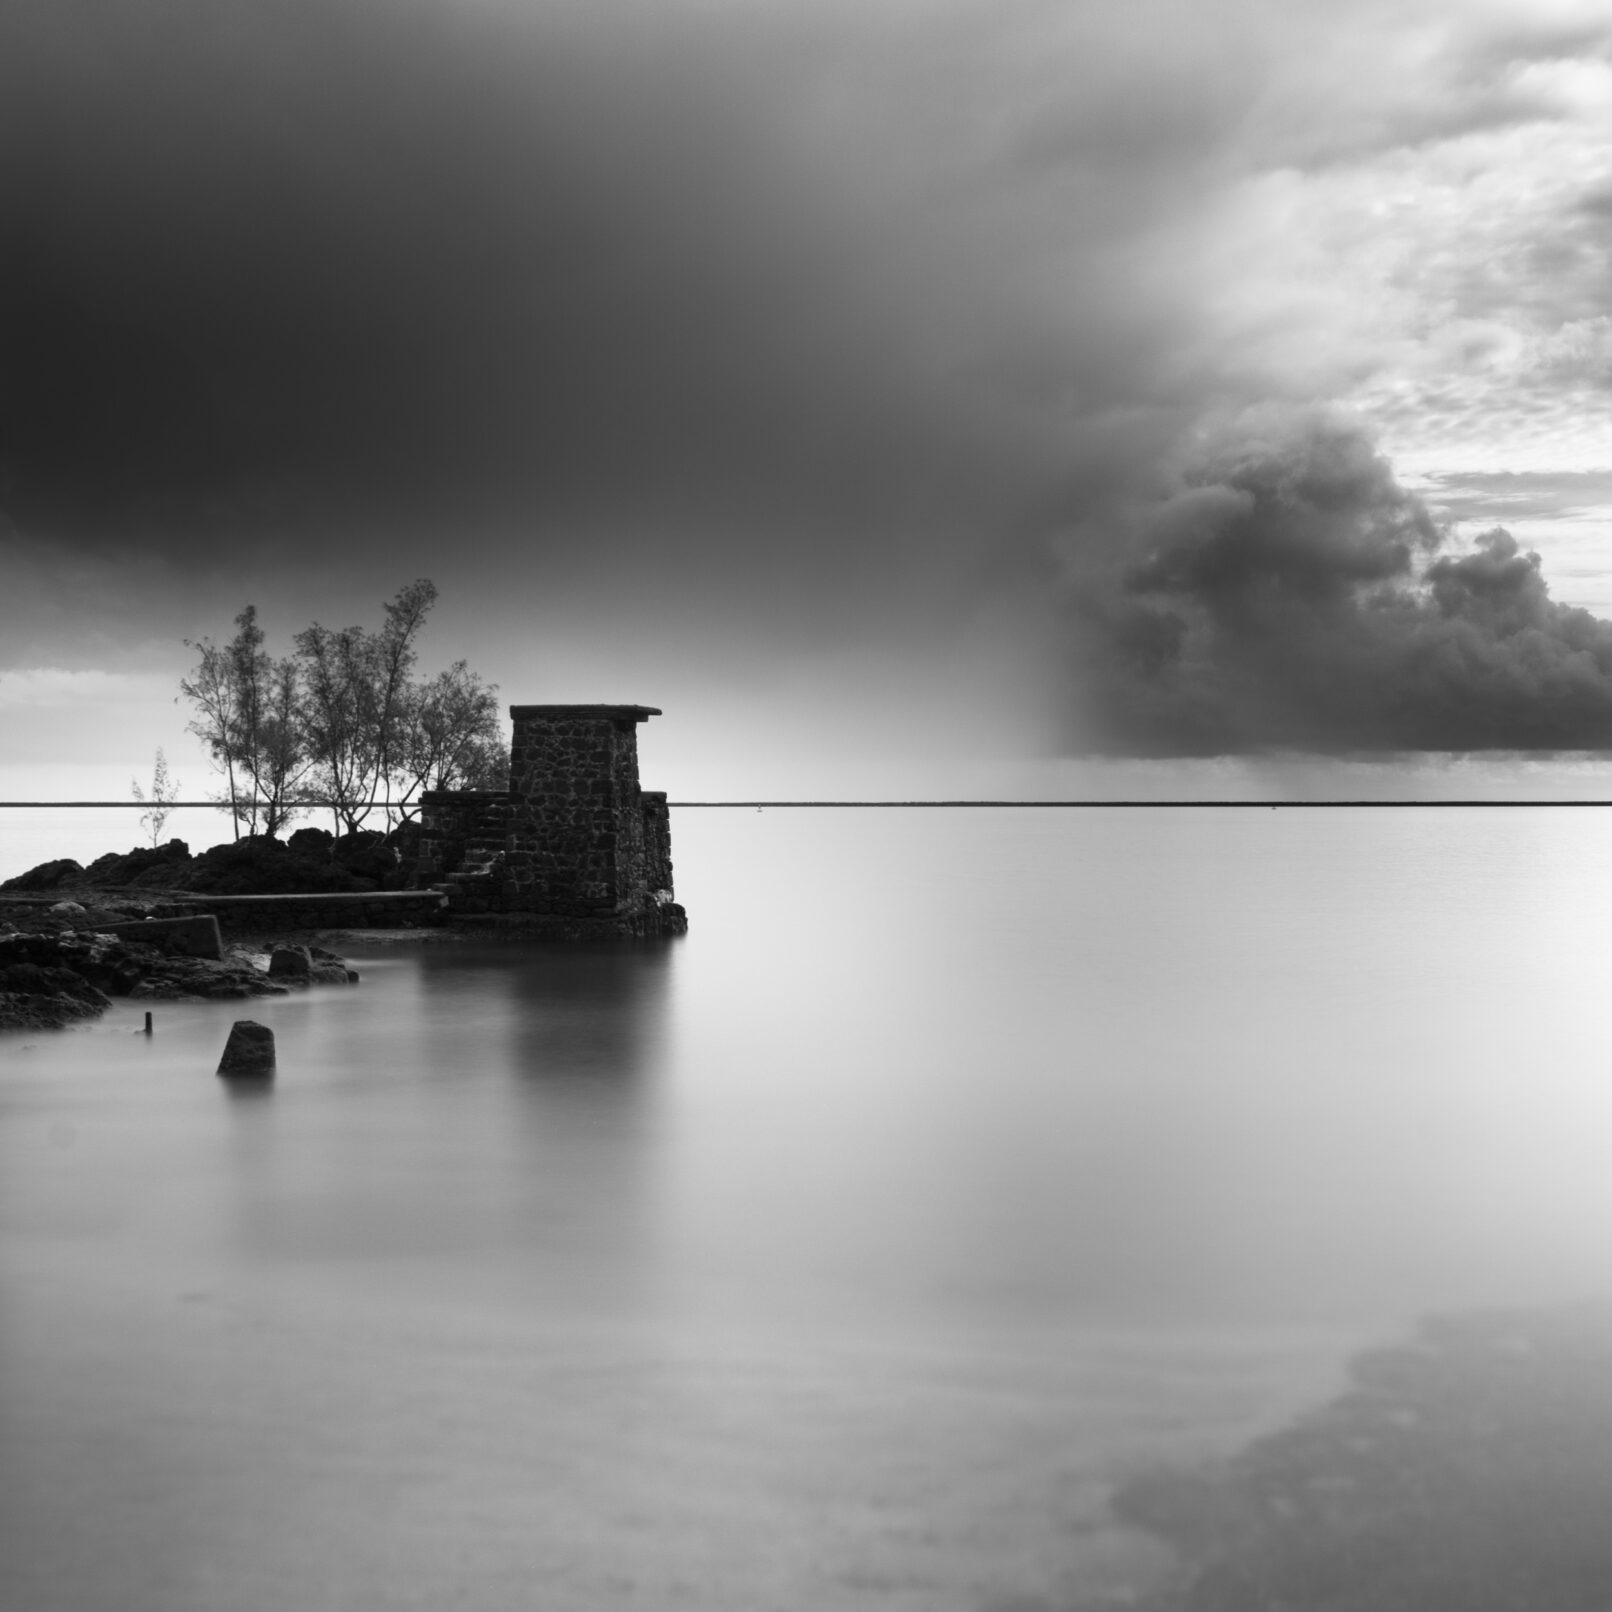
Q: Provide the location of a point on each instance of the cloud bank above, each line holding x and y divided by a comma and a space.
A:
1289, 593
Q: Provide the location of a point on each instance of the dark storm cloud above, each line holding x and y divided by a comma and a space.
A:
281, 267
287, 268
267, 263
765, 320
1289, 594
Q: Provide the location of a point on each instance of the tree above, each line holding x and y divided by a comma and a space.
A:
394, 697
211, 689
454, 737
342, 719
248, 671
282, 762
250, 717
337, 692
163, 795
363, 709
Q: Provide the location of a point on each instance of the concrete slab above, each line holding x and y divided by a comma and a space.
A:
180, 937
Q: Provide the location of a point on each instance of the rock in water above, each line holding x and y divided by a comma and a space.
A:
249, 1052
290, 962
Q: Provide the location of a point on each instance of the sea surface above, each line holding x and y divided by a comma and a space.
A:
848, 1252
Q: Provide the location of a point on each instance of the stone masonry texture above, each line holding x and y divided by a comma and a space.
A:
573, 845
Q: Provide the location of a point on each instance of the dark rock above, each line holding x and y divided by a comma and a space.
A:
32, 979
312, 842
259, 865
249, 1052
164, 865
26, 1011
405, 840
101, 918
309, 965
47, 876
174, 978
329, 969
163, 876
42, 996
290, 962
366, 855
102, 963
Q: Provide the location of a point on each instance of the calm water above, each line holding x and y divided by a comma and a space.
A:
844, 1253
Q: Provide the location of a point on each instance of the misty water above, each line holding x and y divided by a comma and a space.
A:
846, 1252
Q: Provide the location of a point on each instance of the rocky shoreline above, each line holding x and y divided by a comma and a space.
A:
61, 965
310, 861
73, 938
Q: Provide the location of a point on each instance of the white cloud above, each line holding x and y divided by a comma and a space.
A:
42, 688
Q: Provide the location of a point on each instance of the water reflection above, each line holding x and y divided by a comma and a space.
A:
484, 1116
580, 1017
248, 1090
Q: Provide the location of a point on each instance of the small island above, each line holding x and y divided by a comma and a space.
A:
573, 848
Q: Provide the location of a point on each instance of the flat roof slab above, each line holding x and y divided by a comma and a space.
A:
583, 713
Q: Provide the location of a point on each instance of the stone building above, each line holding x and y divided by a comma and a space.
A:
573, 845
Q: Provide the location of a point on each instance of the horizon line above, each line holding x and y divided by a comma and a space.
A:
759, 805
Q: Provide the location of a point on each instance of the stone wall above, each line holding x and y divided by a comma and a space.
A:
657, 844
456, 824
338, 909
574, 844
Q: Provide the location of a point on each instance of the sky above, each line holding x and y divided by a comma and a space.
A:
952, 398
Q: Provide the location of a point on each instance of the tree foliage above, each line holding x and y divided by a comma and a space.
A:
342, 720
249, 715
159, 804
